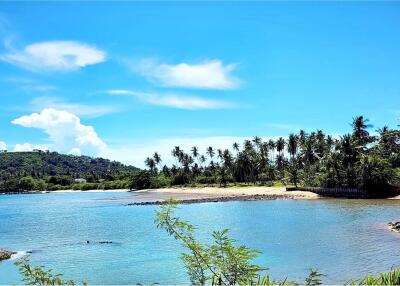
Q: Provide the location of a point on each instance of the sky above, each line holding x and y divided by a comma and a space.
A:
122, 80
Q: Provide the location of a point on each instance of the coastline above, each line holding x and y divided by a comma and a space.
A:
211, 194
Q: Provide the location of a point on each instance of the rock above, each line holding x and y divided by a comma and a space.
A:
105, 241
5, 254
395, 226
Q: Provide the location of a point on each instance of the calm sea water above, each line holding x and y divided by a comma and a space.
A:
342, 238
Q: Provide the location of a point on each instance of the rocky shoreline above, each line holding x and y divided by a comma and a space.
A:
217, 199
5, 254
394, 226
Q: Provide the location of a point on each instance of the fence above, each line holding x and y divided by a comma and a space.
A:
334, 192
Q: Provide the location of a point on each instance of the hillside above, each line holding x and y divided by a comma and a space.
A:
19, 170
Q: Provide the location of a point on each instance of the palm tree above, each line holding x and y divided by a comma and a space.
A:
195, 151
257, 142
176, 152
220, 155
248, 146
272, 146
292, 145
360, 133
280, 145
202, 159
151, 164
157, 158
210, 152
235, 146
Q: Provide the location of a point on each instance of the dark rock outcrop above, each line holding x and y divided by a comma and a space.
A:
394, 226
5, 254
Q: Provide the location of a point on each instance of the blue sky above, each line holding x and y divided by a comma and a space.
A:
122, 80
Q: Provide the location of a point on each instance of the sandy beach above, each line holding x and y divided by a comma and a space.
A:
212, 194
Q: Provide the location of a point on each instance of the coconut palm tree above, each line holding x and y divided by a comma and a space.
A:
272, 146
292, 145
210, 152
235, 146
157, 158
280, 145
360, 133
149, 162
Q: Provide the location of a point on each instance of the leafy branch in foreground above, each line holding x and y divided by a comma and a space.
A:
38, 275
389, 278
221, 263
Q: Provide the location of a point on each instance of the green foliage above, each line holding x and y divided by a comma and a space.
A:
314, 278
221, 263
159, 181
140, 180
40, 276
38, 170
355, 160
205, 180
389, 278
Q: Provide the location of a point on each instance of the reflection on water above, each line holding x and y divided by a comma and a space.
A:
342, 238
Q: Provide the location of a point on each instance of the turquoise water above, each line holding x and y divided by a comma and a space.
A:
342, 238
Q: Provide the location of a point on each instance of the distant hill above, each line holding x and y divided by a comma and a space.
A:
57, 169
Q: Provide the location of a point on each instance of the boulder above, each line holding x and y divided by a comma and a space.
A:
395, 226
5, 254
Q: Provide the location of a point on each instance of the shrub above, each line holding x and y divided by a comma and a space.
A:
206, 180
159, 181
140, 180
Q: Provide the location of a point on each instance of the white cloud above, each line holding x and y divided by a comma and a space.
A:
3, 146
55, 56
27, 147
174, 100
65, 130
75, 151
83, 110
212, 74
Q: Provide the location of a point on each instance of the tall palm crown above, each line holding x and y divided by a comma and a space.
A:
195, 151
157, 158
235, 146
280, 145
360, 126
292, 145
210, 152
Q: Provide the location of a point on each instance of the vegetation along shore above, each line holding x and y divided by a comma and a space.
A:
364, 159
358, 160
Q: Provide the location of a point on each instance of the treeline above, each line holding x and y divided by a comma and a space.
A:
355, 160
39, 170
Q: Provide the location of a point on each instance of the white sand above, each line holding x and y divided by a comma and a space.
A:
183, 193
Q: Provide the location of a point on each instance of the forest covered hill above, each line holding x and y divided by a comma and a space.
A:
39, 170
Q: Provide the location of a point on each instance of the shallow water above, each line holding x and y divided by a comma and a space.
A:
342, 238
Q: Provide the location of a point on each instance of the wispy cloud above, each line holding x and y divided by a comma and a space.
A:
84, 110
174, 100
211, 74
283, 126
32, 85
55, 56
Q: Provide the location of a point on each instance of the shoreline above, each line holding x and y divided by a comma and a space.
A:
211, 194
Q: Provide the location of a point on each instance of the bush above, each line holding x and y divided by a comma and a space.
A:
140, 180
206, 180
85, 186
60, 180
180, 179
159, 181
